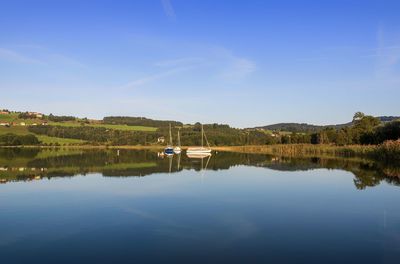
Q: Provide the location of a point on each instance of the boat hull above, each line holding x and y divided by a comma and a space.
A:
177, 150
198, 151
169, 150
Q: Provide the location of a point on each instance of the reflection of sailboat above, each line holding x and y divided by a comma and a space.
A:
200, 150
170, 157
179, 161
178, 149
169, 150
200, 155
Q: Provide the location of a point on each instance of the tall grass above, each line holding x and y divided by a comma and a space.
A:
390, 150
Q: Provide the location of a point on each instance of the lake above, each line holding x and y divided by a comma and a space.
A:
130, 206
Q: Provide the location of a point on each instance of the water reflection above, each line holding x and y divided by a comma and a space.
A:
35, 164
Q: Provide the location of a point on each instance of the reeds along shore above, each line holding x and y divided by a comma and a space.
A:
388, 151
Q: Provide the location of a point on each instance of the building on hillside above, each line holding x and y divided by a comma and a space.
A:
160, 140
22, 124
35, 114
275, 134
6, 124
4, 112
44, 124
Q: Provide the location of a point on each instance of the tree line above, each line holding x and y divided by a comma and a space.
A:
364, 130
138, 121
217, 135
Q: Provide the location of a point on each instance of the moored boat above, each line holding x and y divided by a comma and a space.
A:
202, 149
169, 150
199, 150
177, 149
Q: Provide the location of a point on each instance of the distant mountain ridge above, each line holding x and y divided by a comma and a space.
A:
304, 127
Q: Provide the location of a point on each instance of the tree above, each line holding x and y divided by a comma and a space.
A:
358, 116
363, 128
341, 138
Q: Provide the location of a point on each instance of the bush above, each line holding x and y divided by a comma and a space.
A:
10, 139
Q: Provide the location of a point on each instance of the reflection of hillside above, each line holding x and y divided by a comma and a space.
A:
26, 164
367, 173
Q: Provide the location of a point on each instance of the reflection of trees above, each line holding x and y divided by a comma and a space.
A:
367, 173
13, 153
141, 163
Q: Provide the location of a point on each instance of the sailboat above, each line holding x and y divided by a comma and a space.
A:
200, 151
169, 150
178, 149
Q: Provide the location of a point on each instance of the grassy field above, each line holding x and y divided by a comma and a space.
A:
14, 118
8, 118
23, 130
116, 127
19, 130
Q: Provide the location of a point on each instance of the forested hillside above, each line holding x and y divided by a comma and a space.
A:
138, 121
304, 127
65, 130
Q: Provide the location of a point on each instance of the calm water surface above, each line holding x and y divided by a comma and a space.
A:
135, 207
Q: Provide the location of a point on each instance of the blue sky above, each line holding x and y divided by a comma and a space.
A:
245, 63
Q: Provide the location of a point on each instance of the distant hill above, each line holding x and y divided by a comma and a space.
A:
304, 127
138, 121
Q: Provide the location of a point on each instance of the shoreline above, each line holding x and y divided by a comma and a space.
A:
383, 152
261, 149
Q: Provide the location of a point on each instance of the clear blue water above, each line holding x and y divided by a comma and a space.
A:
138, 208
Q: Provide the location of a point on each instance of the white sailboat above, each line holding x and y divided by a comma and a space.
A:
200, 151
178, 149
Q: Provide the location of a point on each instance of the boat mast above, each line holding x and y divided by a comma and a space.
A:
179, 139
202, 133
170, 135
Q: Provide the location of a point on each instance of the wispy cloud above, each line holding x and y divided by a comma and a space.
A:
41, 54
172, 67
235, 67
179, 62
15, 57
168, 9
66, 60
153, 77
213, 61
239, 68
387, 58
